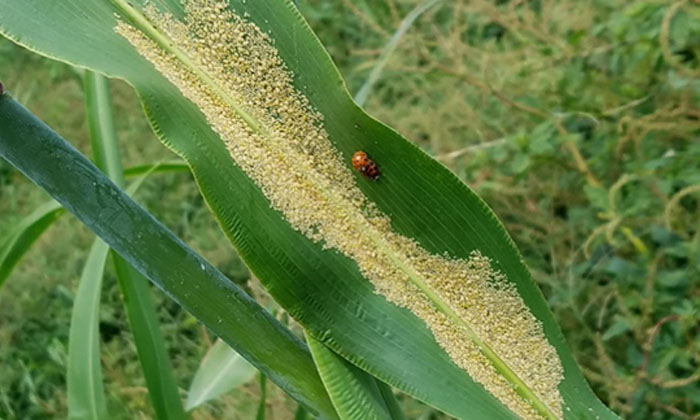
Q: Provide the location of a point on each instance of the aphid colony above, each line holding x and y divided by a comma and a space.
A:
365, 165
312, 186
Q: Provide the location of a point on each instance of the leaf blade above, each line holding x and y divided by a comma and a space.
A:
354, 393
103, 135
155, 363
221, 370
263, 398
86, 397
140, 310
27, 231
80, 187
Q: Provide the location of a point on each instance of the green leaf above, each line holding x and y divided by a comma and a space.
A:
153, 355
159, 167
263, 398
103, 136
139, 306
301, 413
154, 251
221, 370
86, 398
320, 280
20, 239
390, 400
355, 394
618, 327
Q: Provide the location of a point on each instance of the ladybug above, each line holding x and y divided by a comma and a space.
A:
365, 165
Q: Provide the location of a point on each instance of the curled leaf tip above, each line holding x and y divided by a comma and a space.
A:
231, 70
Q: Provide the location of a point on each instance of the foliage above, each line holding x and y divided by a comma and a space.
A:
188, 279
510, 90
221, 371
509, 98
266, 142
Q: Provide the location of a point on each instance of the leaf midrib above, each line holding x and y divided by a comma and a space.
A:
501, 366
164, 42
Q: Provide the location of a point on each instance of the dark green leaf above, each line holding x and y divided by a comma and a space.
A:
152, 249
21, 238
263, 398
355, 394
142, 316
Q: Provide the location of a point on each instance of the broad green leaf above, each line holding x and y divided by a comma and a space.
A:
20, 239
142, 316
425, 215
155, 252
221, 370
355, 394
86, 398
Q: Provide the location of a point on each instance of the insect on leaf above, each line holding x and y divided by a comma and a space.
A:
409, 276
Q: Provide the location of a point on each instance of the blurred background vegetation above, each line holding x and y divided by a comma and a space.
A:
577, 121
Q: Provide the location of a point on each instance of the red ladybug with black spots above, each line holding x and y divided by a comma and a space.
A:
365, 165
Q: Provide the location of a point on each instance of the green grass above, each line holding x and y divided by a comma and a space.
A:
537, 87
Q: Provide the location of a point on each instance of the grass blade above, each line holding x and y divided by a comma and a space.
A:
21, 238
354, 393
28, 230
221, 370
301, 413
366, 89
103, 136
141, 313
86, 399
150, 345
263, 398
153, 250
390, 400
160, 167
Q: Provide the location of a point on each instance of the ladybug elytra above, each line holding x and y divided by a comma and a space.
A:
365, 165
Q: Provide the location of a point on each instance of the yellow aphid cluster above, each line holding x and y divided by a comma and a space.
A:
230, 69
